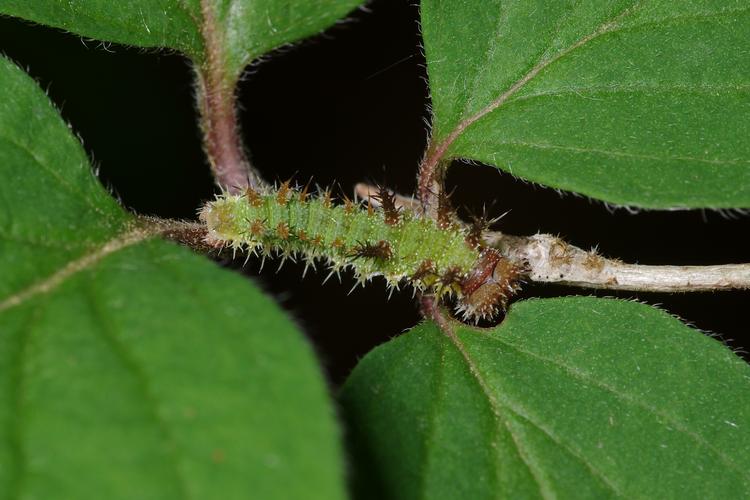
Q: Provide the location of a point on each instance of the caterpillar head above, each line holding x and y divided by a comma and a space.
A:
488, 286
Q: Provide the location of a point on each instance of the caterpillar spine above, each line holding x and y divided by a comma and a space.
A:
434, 257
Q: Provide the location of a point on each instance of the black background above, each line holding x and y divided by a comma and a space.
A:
345, 107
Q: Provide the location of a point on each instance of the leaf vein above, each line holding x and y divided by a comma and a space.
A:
624, 154
474, 369
609, 25
545, 488
62, 181
682, 19
627, 89
52, 281
128, 362
623, 396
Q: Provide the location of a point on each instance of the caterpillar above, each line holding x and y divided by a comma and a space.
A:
440, 257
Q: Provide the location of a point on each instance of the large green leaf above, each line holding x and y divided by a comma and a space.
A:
130, 367
243, 29
144, 23
642, 103
572, 398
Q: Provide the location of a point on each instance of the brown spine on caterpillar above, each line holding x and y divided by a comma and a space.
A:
349, 205
253, 197
257, 227
282, 195
327, 198
425, 273
304, 193
387, 201
449, 283
380, 250
489, 285
477, 228
282, 231
444, 258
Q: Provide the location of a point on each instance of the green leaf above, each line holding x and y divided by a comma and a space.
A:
130, 367
250, 28
643, 103
143, 23
241, 30
573, 397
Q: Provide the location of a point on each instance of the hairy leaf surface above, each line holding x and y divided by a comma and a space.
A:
643, 103
241, 30
573, 398
129, 367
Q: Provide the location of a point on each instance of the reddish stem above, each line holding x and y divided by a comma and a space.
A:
430, 179
217, 103
431, 310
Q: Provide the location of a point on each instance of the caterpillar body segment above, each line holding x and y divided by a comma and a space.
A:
397, 244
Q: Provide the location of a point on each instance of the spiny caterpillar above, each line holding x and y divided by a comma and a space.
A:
437, 257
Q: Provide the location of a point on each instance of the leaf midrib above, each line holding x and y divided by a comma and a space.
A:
625, 397
608, 26
477, 374
545, 488
123, 240
611, 25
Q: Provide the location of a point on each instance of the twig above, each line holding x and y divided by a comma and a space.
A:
551, 260
190, 234
369, 193
217, 104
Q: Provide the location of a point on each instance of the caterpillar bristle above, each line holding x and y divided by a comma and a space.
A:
387, 200
380, 250
439, 257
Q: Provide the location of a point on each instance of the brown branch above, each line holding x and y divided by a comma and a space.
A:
216, 95
190, 234
551, 260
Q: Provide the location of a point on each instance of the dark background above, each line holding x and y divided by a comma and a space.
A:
345, 107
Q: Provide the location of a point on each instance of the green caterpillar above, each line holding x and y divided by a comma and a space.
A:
439, 257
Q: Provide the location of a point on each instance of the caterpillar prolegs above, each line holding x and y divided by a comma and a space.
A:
438, 257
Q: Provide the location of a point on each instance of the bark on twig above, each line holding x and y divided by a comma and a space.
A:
190, 234
551, 260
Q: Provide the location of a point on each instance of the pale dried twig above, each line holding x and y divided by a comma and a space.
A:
551, 260
369, 193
